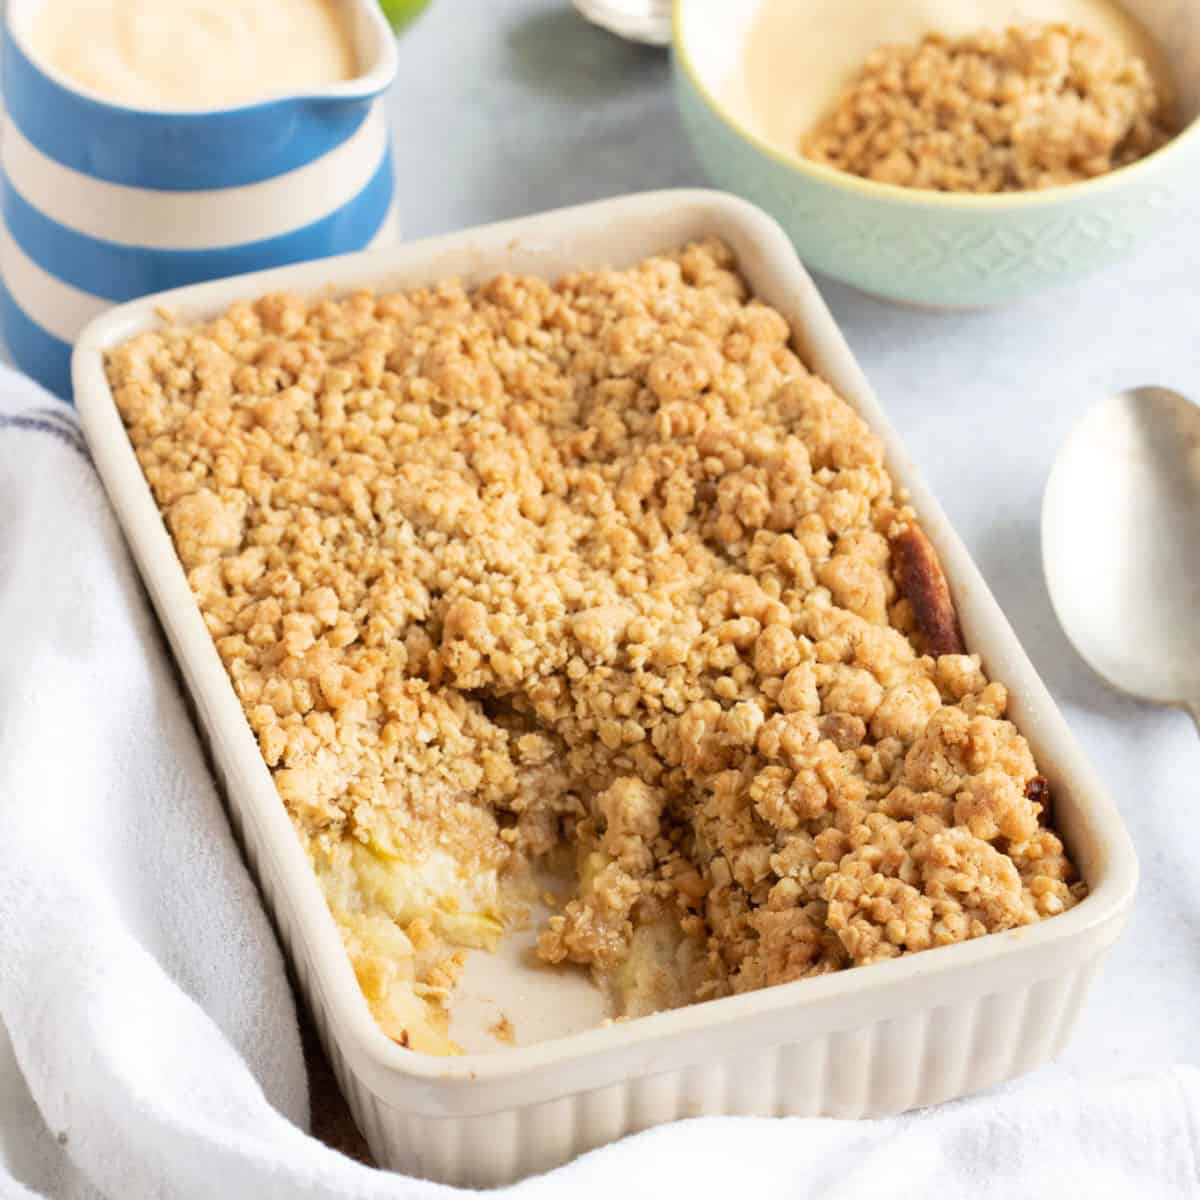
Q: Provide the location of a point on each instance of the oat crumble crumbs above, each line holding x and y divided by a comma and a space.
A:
1031, 107
594, 573
503, 1030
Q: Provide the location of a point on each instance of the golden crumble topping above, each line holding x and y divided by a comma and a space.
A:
1031, 107
593, 574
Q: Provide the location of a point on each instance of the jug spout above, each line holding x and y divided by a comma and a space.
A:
375, 46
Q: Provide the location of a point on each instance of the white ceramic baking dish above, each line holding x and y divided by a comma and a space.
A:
866, 1042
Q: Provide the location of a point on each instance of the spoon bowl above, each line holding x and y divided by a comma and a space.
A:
1121, 543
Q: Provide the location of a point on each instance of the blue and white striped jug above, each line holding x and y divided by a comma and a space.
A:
105, 203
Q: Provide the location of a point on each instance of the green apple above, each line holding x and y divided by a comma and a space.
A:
402, 13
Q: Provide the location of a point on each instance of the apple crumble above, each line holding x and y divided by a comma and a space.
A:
594, 577
1031, 107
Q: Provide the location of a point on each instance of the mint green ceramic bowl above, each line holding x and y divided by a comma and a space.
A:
924, 247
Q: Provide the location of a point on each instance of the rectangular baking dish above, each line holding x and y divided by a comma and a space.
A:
865, 1042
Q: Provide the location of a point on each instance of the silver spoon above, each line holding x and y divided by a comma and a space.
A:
1121, 543
647, 21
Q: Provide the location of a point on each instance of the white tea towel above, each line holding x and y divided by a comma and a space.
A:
148, 1043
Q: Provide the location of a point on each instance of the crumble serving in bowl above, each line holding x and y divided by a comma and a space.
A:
1033, 106
593, 575
754, 79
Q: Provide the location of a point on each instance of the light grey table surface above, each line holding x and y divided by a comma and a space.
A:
507, 107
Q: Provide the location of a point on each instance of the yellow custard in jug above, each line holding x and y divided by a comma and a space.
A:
195, 54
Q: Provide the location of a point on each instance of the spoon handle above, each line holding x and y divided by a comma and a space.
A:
1193, 706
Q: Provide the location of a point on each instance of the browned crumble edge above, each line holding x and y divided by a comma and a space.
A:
1033, 106
593, 576
922, 583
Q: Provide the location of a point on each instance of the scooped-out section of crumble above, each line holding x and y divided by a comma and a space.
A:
593, 575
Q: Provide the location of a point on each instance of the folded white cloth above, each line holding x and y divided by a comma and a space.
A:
148, 1043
